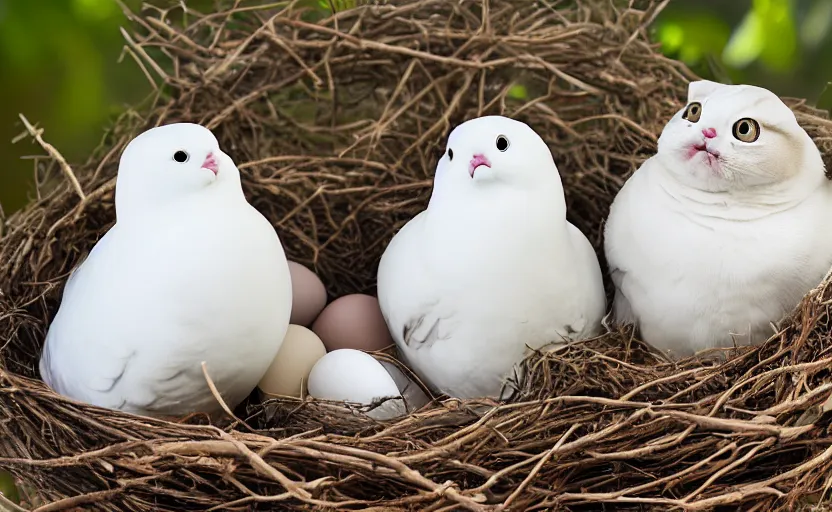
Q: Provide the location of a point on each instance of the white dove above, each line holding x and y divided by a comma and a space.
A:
190, 272
491, 266
725, 229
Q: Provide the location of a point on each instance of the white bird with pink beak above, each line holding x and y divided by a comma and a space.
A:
190, 273
720, 234
492, 267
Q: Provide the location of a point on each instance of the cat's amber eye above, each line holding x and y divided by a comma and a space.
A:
693, 112
746, 130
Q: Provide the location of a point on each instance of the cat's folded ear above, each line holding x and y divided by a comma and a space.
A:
701, 89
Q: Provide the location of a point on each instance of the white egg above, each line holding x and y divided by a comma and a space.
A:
354, 376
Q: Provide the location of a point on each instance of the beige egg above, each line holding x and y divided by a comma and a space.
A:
353, 321
290, 369
308, 295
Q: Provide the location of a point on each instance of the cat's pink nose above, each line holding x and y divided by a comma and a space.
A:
709, 133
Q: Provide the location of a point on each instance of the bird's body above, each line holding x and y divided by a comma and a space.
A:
488, 269
202, 277
710, 250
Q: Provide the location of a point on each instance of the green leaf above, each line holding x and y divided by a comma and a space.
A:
8, 488
518, 92
689, 36
767, 33
746, 43
95, 10
340, 5
780, 48
671, 35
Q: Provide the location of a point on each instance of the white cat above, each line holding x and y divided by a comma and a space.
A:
725, 229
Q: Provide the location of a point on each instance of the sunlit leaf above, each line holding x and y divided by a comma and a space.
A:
336, 5
94, 10
777, 18
746, 43
340, 5
688, 37
518, 92
672, 36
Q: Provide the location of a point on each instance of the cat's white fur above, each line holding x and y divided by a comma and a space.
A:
708, 250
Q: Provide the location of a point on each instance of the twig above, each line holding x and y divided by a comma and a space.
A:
37, 134
219, 399
513, 496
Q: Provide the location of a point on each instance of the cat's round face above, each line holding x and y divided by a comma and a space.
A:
734, 136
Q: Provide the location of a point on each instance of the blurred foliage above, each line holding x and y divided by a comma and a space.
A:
61, 62
783, 45
8, 488
59, 68
62, 68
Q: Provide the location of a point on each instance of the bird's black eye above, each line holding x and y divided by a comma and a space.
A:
450, 154
181, 156
502, 143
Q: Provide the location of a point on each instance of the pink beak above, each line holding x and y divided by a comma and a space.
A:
211, 164
477, 161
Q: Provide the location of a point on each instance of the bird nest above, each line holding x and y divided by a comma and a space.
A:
336, 123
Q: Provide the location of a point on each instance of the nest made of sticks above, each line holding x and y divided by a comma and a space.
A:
336, 124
